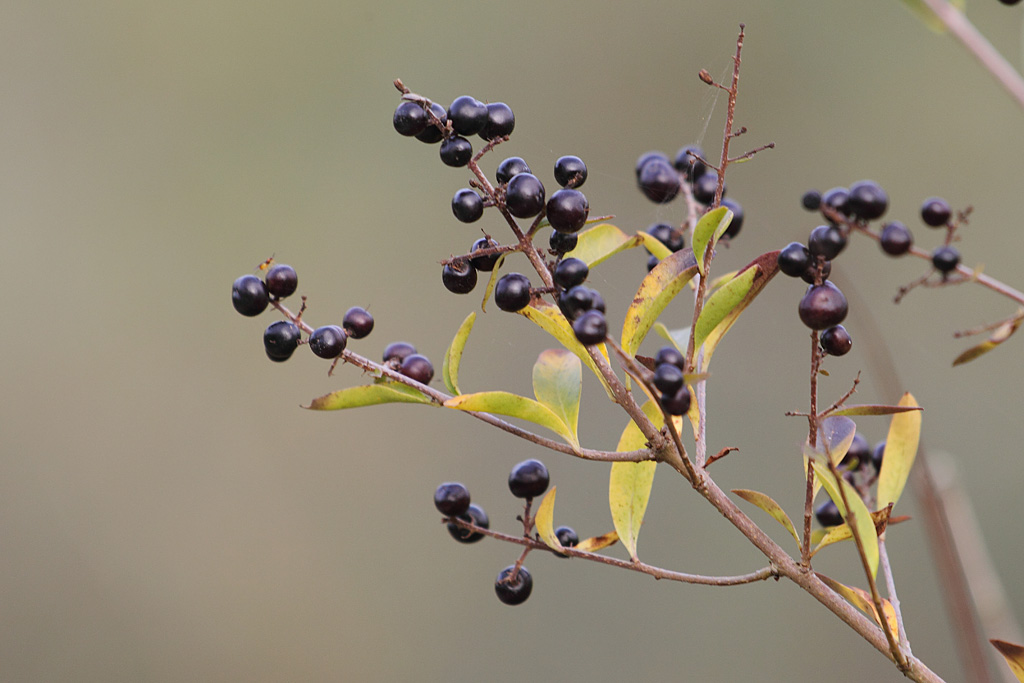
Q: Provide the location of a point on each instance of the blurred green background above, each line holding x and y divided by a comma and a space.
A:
168, 512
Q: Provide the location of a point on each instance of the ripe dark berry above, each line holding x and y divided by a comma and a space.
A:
475, 515
836, 341
525, 196
410, 118
895, 239
451, 499
705, 187
561, 242
570, 272
823, 306
282, 281
528, 479
590, 328
668, 379
659, 181
676, 404
456, 151
509, 168
566, 535
570, 171
688, 164
812, 271
513, 591
737, 218
468, 115
328, 341
512, 293
357, 322
432, 133
398, 351
652, 261
1009, 2
859, 453
828, 515
281, 339
877, 455
794, 259
467, 205
575, 301
868, 200
811, 200
500, 121
935, 212
945, 259
827, 241
484, 263
459, 277
567, 210
670, 355
837, 199
249, 295
667, 235
646, 157
417, 367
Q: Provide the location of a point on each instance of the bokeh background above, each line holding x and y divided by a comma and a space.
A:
168, 511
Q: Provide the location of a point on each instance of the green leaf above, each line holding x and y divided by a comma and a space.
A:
595, 543
927, 16
545, 521
513, 405
453, 356
547, 316
900, 451
367, 395
771, 507
1014, 656
654, 245
601, 242
862, 519
660, 286
558, 383
842, 532
709, 228
872, 410
629, 486
495, 274
1001, 334
678, 338
724, 306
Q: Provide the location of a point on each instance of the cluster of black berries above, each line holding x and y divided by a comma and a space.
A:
465, 117
527, 480
856, 471
582, 306
669, 366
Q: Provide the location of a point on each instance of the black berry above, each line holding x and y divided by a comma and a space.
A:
509, 168
811, 200
570, 272
945, 259
837, 199
935, 212
570, 171
561, 242
500, 121
827, 241
670, 355
859, 453
895, 239
823, 306
451, 499
676, 404
528, 479
705, 187
867, 200
249, 295
737, 218
417, 367
566, 535
432, 133
281, 339
688, 163
357, 322
328, 341
467, 205
456, 151
459, 277
667, 235
659, 181
475, 515
567, 210
645, 158
484, 263
468, 115
512, 293
590, 328
282, 281
828, 515
513, 591
410, 119
668, 378
652, 261
398, 351
524, 197
794, 259
809, 275
577, 300
836, 341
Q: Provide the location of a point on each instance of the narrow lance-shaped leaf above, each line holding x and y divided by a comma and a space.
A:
678, 338
1014, 656
492, 283
724, 306
453, 356
660, 286
709, 228
513, 405
999, 335
861, 599
654, 245
558, 383
595, 543
629, 486
368, 395
872, 410
601, 242
835, 436
900, 451
836, 534
547, 316
766, 503
545, 521
862, 520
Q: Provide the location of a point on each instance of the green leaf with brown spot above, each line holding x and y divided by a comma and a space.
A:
766, 503
545, 521
547, 316
660, 286
368, 395
1001, 334
595, 543
453, 356
862, 520
1014, 656
558, 383
709, 228
629, 486
513, 405
900, 450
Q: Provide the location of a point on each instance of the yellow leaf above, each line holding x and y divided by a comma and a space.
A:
601, 242
1014, 655
629, 486
547, 316
861, 599
557, 384
660, 286
862, 519
453, 356
495, 274
595, 543
900, 451
545, 521
771, 507
371, 394
999, 335
513, 405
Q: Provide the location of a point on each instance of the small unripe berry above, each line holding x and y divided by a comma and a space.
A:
529, 479
823, 306
512, 293
328, 341
513, 591
249, 295
451, 499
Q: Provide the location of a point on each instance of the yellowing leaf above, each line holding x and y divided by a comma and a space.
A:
842, 532
660, 286
999, 335
545, 521
557, 384
771, 507
900, 451
678, 338
654, 245
861, 599
595, 543
453, 356
601, 242
513, 405
709, 228
629, 487
495, 274
873, 410
547, 316
368, 395
862, 519
1014, 656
